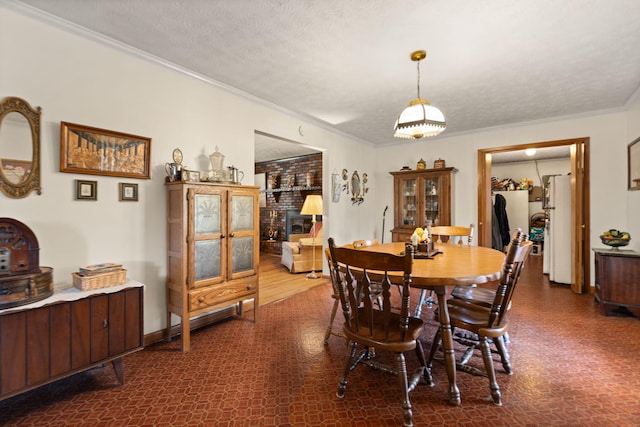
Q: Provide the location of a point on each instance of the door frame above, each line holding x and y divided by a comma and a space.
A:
580, 213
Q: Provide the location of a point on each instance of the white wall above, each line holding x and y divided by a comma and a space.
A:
79, 79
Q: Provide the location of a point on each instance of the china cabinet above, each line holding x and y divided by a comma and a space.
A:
421, 197
213, 250
617, 278
67, 333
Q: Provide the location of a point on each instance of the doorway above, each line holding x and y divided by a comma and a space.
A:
288, 172
580, 214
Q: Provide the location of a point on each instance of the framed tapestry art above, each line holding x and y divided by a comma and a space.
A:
94, 151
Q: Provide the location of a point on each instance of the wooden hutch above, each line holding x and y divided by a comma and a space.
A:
213, 250
420, 197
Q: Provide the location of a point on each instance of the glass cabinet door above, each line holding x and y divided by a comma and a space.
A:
432, 188
242, 251
205, 238
409, 202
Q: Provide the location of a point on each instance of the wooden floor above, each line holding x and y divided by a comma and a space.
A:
277, 283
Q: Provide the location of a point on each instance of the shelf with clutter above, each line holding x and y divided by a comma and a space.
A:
276, 191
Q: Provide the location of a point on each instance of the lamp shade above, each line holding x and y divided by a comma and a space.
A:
419, 120
312, 205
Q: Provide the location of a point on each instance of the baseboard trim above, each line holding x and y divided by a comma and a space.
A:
206, 320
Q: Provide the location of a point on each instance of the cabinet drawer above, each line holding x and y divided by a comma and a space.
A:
229, 291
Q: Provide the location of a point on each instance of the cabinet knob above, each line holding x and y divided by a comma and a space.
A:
249, 287
232, 235
201, 299
105, 323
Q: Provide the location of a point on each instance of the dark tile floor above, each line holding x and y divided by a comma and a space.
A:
573, 367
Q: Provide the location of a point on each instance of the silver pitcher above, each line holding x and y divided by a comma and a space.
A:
235, 174
174, 171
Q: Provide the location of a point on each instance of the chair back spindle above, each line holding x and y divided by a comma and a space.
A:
452, 234
515, 258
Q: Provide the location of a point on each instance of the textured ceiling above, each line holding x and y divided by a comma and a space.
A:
345, 63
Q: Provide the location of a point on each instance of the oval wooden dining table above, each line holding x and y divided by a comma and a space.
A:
455, 265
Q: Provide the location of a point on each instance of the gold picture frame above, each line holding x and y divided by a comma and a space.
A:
93, 151
633, 156
128, 192
190, 175
86, 190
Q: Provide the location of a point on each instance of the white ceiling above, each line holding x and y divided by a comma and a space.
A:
345, 64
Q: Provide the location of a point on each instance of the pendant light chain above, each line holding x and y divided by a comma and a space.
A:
418, 65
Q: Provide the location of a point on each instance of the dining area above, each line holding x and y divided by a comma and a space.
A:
364, 280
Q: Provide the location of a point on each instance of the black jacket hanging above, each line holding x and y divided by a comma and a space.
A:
496, 238
500, 207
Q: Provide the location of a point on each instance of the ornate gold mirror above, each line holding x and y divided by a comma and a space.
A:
19, 148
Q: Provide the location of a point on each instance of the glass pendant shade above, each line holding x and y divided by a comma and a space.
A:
419, 120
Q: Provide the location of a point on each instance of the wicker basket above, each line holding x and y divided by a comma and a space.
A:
97, 281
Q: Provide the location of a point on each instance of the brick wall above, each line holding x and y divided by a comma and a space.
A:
285, 170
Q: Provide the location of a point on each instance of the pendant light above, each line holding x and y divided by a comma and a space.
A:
420, 119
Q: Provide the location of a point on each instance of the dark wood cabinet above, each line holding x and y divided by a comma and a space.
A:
617, 280
421, 197
44, 342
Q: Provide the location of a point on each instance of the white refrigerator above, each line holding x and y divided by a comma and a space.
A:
558, 231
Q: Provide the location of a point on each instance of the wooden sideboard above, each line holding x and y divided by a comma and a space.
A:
617, 279
67, 333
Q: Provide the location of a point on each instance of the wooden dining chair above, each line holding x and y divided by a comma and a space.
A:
489, 323
336, 299
451, 234
371, 326
334, 310
483, 296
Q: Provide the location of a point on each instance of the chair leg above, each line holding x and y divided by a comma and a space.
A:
504, 354
437, 340
334, 310
491, 373
427, 372
423, 295
407, 413
350, 354
424, 299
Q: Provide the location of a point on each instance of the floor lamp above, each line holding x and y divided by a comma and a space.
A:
312, 206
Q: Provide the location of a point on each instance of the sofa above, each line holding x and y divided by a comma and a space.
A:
298, 252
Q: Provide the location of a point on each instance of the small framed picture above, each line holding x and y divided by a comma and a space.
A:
86, 190
190, 176
128, 192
